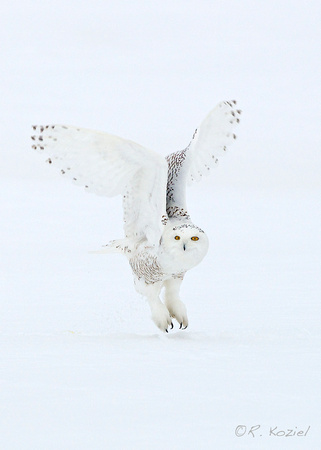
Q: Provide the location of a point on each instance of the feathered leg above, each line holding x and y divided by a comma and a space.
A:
160, 314
175, 306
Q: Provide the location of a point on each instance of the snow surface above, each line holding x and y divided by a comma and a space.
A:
81, 364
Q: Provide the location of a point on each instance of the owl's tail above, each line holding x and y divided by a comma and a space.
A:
116, 246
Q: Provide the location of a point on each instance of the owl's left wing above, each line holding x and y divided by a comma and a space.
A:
109, 165
209, 143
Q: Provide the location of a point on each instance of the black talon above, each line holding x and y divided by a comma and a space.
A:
172, 325
166, 330
180, 327
185, 327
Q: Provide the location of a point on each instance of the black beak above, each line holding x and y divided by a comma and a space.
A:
184, 247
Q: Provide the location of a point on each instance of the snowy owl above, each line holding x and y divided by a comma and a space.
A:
161, 242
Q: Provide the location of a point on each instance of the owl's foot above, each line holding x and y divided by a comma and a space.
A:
177, 310
161, 316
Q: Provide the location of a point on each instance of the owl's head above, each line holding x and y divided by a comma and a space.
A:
186, 242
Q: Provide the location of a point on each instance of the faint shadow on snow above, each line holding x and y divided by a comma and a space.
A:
239, 337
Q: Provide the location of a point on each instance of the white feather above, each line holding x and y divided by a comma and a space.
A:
208, 144
211, 139
109, 165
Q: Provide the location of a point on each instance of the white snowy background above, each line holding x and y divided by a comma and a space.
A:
81, 364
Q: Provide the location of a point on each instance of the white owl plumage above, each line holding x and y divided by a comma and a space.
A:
161, 242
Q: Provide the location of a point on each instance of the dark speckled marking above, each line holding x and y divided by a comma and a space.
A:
175, 162
146, 266
188, 225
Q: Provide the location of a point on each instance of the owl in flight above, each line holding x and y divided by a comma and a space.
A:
161, 242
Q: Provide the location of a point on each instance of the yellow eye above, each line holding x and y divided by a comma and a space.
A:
177, 238
195, 238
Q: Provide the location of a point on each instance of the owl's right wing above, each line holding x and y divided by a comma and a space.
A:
109, 165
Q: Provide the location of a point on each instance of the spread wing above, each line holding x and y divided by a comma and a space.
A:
209, 143
108, 165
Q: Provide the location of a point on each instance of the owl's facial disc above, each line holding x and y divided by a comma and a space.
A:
186, 240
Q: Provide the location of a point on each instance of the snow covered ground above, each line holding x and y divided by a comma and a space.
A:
81, 364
